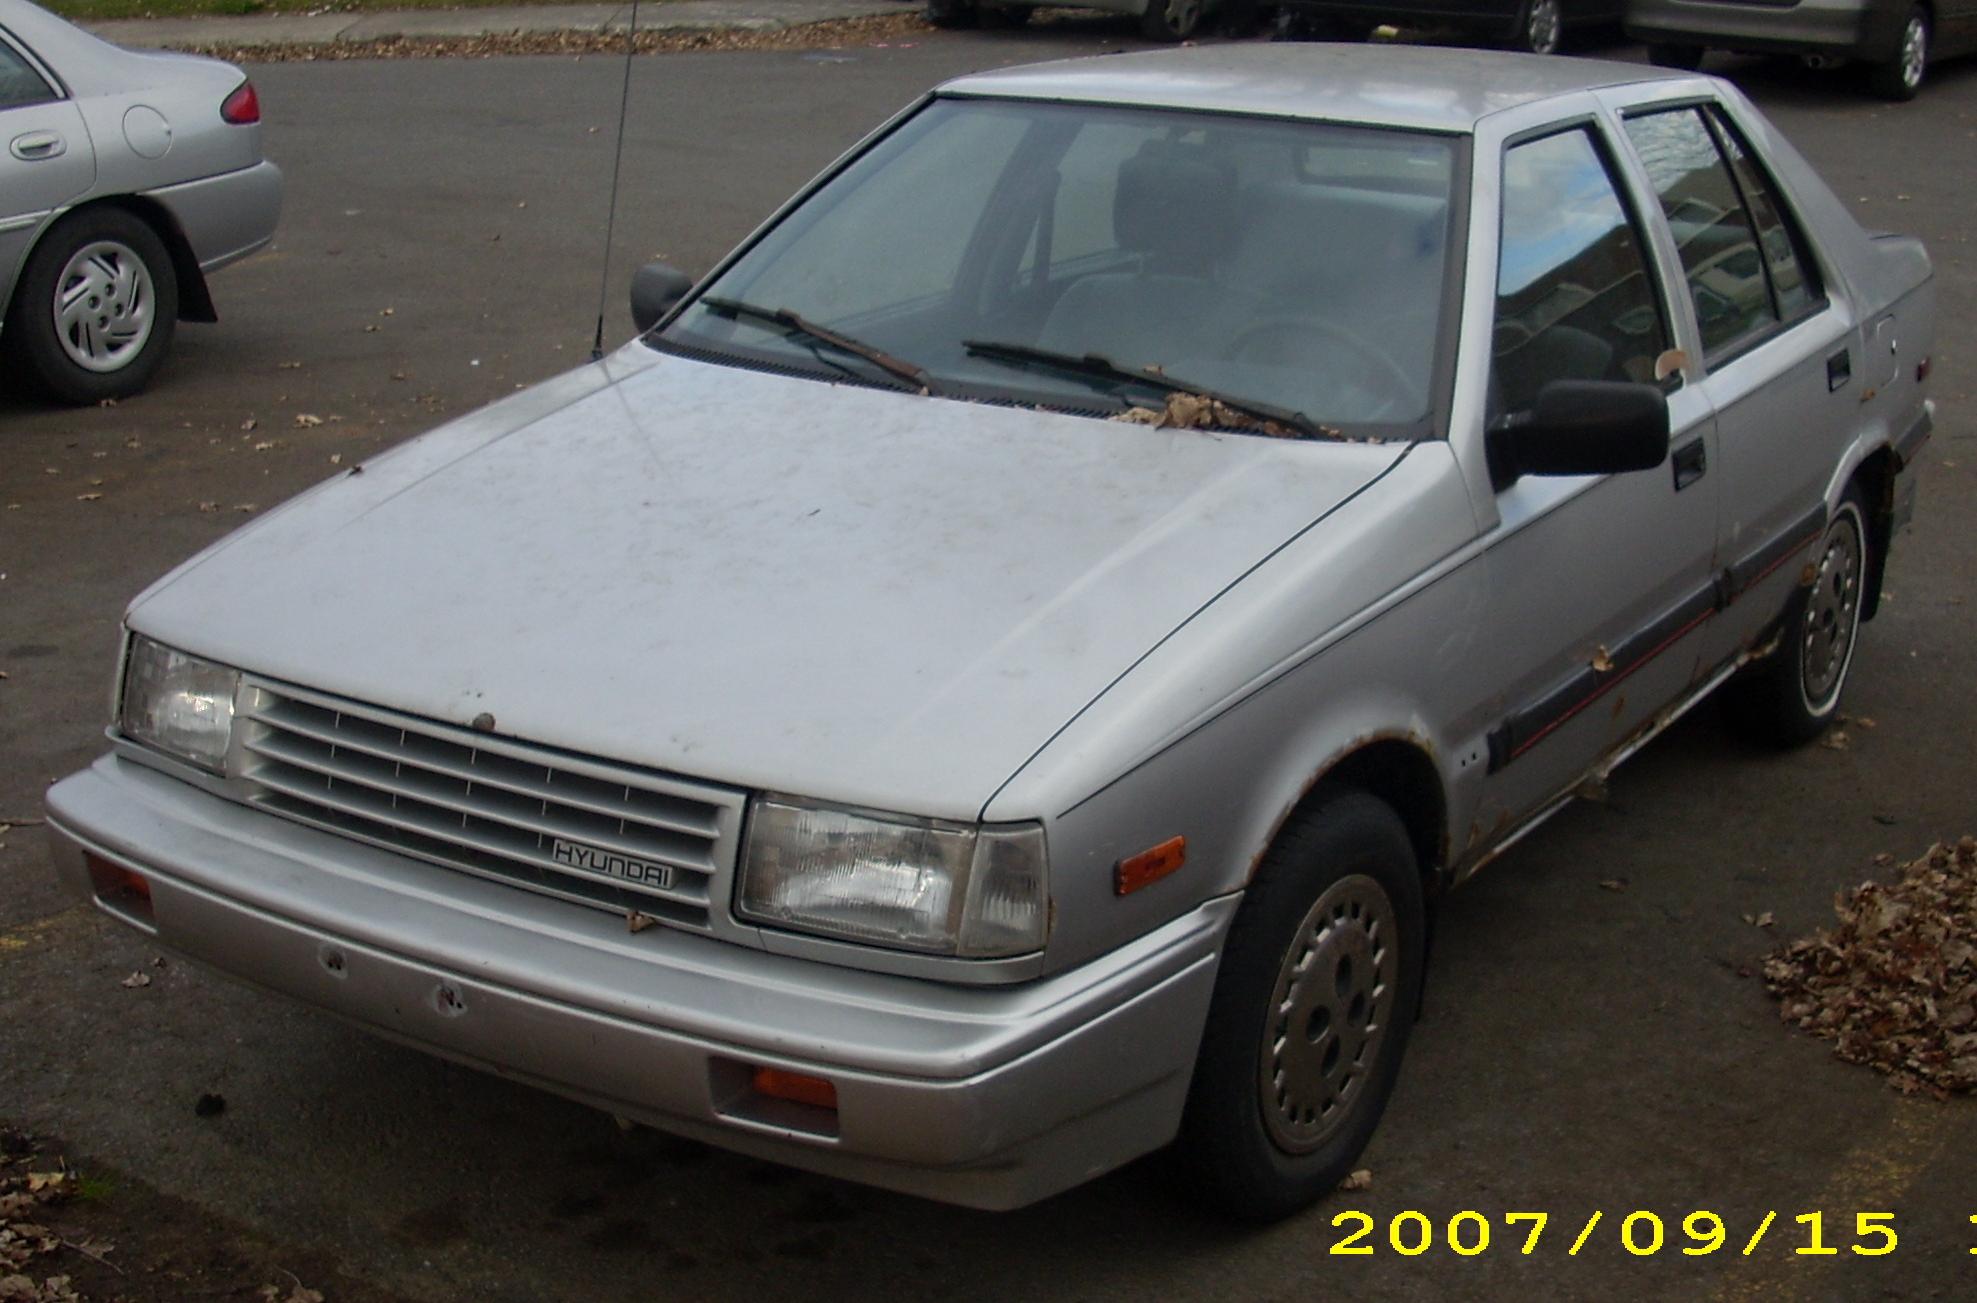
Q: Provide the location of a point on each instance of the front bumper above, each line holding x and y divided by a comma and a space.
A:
992, 1097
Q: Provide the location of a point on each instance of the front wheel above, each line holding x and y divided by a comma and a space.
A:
1900, 77
1790, 696
93, 314
1170, 20
1318, 986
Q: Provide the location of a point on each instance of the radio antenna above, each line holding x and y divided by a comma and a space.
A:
617, 167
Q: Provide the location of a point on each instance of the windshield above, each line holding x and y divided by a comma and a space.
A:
1072, 256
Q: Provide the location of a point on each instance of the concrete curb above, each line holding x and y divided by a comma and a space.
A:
415, 24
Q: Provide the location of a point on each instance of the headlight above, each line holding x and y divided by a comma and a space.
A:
178, 704
952, 889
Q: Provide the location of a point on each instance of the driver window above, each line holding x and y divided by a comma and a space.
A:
1574, 297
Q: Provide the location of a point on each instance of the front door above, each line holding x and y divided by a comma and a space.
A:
1598, 583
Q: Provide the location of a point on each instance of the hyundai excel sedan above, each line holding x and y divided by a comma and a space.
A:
995, 680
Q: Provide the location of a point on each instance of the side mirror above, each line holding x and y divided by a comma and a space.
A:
1582, 427
656, 287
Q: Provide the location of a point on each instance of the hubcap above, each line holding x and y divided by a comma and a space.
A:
103, 306
1329, 1013
1832, 615
1914, 52
1541, 28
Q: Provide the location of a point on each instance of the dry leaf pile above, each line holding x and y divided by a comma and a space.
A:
1895, 985
806, 36
23, 1239
1186, 411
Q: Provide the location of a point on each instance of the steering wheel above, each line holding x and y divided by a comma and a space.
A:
1401, 387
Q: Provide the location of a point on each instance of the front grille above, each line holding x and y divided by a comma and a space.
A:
556, 823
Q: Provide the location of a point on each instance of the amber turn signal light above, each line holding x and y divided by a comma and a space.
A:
1149, 866
796, 1087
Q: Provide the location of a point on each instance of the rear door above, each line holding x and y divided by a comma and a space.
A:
45, 155
1783, 368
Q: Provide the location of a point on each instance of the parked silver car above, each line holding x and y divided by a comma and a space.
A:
998, 677
1537, 26
1896, 39
127, 177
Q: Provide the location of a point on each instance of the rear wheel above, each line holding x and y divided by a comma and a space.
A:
94, 311
1792, 695
1004, 15
1686, 58
1317, 990
1900, 77
1170, 20
952, 14
1541, 27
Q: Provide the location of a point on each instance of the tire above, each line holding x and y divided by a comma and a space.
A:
1170, 20
1332, 930
952, 15
1789, 697
1684, 58
121, 295
1900, 76
1003, 15
1539, 27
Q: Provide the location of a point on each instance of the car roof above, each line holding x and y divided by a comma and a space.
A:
1428, 88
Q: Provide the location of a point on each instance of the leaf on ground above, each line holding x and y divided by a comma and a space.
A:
1894, 985
136, 980
1362, 1179
307, 420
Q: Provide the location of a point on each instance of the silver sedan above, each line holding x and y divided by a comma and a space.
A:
126, 178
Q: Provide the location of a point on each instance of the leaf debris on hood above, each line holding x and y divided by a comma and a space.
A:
1185, 411
1894, 986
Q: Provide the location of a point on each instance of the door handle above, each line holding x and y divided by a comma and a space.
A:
1839, 370
1690, 460
37, 145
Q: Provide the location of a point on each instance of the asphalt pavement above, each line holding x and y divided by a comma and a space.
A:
1584, 1048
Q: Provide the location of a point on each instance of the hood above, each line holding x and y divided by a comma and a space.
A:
844, 593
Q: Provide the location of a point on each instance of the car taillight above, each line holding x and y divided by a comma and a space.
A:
243, 106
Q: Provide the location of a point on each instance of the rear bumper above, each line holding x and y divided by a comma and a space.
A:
988, 1096
1841, 27
226, 217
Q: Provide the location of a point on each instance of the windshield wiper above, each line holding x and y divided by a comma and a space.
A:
1104, 368
783, 317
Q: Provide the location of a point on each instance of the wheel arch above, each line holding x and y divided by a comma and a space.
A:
195, 302
1875, 477
1398, 768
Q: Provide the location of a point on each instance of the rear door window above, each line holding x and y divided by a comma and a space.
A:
1729, 283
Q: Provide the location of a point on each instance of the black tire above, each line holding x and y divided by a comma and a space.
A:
1684, 58
1540, 27
131, 261
1791, 696
1171, 20
1900, 76
953, 14
992, 15
1257, 1159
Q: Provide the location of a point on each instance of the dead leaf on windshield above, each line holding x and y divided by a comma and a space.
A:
1184, 411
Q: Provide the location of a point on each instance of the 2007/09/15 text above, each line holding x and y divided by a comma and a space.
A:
1642, 1233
